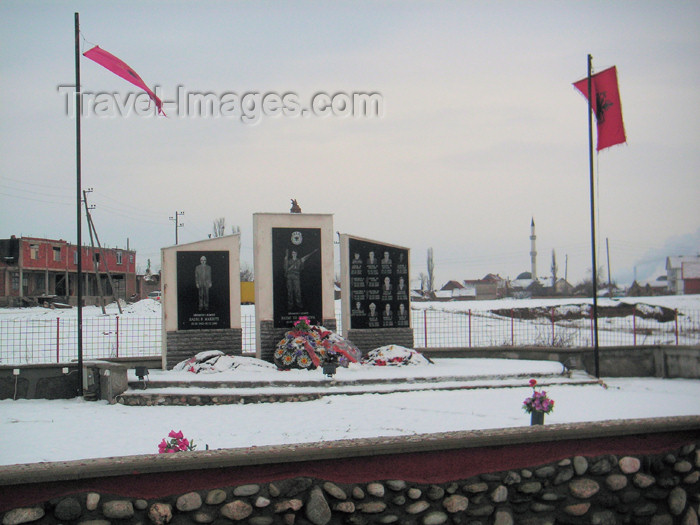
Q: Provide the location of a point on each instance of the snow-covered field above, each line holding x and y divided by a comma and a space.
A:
37, 335
40, 430
57, 430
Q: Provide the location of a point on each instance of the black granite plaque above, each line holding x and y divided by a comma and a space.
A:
297, 275
203, 290
379, 295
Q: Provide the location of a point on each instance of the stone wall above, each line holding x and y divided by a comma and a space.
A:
367, 340
617, 361
48, 381
183, 344
596, 473
608, 489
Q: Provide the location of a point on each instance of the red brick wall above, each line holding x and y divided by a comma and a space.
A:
45, 257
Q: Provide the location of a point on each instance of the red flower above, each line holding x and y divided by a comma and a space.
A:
533, 382
176, 435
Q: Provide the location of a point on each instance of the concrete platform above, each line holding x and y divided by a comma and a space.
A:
197, 389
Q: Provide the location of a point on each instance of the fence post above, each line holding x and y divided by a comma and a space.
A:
512, 328
676, 319
58, 339
470, 328
117, 336
553, 326
634, 326
425, 327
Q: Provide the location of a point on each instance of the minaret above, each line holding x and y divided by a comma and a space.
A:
533, 250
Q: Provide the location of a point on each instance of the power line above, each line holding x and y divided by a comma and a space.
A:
128, 215
34, 184
60, 203
138, 209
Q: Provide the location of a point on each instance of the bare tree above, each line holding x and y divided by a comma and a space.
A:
431, 270
219, 227
423, 282
554, 269
586, 286
246, 273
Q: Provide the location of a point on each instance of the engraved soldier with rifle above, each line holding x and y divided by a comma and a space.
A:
292, 271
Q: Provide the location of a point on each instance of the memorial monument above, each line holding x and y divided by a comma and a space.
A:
201, 298
375, 300
293, 274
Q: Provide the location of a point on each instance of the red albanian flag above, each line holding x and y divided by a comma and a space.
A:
122, 69
608, 110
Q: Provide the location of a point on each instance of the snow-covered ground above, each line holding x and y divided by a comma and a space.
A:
40, 430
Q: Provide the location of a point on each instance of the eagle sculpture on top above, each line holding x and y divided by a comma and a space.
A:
295, 207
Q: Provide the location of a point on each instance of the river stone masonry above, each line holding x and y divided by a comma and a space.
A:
605, 490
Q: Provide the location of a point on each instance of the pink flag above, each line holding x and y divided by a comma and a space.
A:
120, 68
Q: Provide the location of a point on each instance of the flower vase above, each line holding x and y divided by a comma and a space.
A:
536, 417
329, 368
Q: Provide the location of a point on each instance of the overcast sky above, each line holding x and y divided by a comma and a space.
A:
480, 128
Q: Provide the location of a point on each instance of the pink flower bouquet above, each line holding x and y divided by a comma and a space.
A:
176, 443
538, 401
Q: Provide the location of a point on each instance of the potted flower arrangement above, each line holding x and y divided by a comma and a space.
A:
538, 404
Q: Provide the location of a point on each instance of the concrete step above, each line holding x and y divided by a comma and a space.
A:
196, 393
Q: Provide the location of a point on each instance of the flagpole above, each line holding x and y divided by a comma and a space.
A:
594, 271
78, 111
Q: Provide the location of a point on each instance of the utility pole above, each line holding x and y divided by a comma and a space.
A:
95, 259
178, 224
102, 256
78, 176
607, 249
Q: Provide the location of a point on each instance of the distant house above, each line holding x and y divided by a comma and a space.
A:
524, 286
563, 287
40, 270
455, 291
492, 286
658, 286
451, 285
147, 283
683, 275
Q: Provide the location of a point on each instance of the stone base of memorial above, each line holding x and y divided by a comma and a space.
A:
184, 344
369, 339
270, 336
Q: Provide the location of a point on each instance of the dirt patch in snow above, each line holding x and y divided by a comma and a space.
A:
581, 311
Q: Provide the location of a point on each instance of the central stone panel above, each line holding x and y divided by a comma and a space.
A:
293, 275
296, 275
